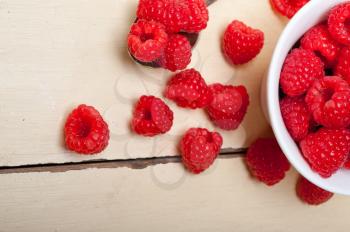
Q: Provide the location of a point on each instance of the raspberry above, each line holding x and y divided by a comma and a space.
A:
241, 43
147, 40
288, 8
342, 68
338, 23
199, 148
300, 69
188, 89
177, 53
177, 15
228, 106
318, 40
310, 193
326, 150
266, 161
151, 116
329, 102
85, 131
296, 117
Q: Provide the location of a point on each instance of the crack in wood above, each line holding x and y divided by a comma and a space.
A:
139, 163
209, 2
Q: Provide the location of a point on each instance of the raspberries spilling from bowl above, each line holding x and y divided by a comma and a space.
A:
315, 102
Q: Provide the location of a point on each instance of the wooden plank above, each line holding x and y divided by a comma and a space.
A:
161, 198
57, 54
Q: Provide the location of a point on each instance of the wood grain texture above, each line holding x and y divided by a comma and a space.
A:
57, 54
161, 198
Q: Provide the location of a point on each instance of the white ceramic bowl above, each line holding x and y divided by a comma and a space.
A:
311, 14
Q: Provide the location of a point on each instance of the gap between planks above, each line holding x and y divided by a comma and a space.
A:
209, 2
139, 163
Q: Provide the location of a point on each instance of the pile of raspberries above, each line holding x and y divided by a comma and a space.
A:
160, 35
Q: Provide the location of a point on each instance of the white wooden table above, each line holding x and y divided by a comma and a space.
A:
57, 54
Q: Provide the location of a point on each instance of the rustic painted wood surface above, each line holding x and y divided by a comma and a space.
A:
161, 198
57, 54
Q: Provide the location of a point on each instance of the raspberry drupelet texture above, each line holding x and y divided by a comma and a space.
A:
199, 149
85, 131
151, 116
342, 67
318, 40
241, 43
338, 23
177, 53
228, 105
266, 161
329, 102
147, 40
177, 15
188, 89
288, 8
326, 150
300, 69
310, 193
296, 116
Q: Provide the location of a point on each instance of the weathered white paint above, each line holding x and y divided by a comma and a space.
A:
161, 198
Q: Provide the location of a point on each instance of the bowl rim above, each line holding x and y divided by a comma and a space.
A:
272, 84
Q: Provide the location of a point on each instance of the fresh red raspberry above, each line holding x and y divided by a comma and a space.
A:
85, 131
288, 8
241, 43
266, 161
177, 15
338, 23
228, 106
151, 116
310, 193
296, 116
177, 53
147, 40
199, 149
188, 89
326, 150
300, 69
318, 40
329, 102
342, 67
